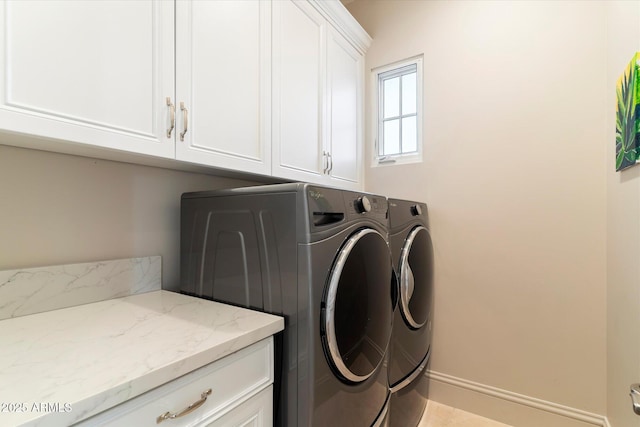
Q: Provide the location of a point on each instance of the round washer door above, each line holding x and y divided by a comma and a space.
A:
358, 306
416, 277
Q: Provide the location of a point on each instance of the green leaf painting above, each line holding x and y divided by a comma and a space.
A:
628, 116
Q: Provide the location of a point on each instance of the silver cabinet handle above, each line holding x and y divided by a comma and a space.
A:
635, 397
185, 121
172, 110
327, 161
189, 409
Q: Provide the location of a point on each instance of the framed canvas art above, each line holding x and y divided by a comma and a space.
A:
627, 116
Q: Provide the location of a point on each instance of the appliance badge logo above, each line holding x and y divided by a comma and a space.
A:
315, 195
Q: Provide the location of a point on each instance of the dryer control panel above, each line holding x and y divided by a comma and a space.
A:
363, 205
331, 206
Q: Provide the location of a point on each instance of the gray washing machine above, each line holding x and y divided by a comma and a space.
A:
410, 347
320, 258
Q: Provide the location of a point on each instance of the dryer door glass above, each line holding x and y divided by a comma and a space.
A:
416, 277
358, 306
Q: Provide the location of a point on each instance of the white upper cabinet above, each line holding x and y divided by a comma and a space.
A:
317, 94
298, 90
223, 84
88, 72
345, 68
270, 87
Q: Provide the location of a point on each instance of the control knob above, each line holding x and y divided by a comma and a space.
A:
363, 204
416, 210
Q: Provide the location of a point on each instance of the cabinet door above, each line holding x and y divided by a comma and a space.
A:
223, 54
88, 72
298, 91
255, 412
344, 139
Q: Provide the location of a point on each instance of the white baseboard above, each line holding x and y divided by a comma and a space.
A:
566, 415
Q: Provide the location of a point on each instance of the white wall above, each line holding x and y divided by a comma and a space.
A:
623, 231
514, 177
60, 209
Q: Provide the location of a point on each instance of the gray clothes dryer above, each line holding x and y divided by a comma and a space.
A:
410, 347
320, 258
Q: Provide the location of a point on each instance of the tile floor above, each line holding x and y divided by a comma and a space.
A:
438, 415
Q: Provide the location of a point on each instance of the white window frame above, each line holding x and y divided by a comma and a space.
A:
377, 82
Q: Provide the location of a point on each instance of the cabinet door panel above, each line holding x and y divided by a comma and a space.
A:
92, 72
344, 71
223, 77
255, 412
298, 89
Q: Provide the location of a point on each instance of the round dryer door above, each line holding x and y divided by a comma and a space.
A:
416, 277
358, 306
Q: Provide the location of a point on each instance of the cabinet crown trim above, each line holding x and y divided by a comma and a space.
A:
338, 15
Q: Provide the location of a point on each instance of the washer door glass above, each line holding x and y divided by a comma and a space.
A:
358, 306
416, 277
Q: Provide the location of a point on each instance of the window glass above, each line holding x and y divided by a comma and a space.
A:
409, 135
391, 97
409, 94
391, 137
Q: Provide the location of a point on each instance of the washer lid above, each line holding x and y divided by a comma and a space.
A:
358, 306
416, 277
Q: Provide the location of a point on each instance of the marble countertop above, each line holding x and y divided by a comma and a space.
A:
62, 366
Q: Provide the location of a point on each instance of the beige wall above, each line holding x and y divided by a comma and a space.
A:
623, 231
60, 209
514, 176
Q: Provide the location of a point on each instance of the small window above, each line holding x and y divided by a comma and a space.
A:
399, 112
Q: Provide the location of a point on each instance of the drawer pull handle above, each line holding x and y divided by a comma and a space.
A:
189, 409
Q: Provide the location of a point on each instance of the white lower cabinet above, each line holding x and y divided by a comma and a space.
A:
233, 391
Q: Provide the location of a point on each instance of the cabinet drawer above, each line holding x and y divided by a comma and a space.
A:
231, 380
